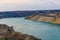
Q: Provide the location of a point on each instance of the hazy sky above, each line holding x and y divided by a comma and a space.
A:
6, 5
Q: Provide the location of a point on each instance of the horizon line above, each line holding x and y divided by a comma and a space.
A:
29, 10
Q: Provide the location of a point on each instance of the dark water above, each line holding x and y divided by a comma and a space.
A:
45, 31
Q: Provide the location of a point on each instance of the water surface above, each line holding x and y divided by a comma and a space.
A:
45, 31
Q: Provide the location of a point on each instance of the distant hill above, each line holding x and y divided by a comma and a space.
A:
24, 13
50, 17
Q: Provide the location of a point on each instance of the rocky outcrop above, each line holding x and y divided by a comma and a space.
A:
51, 17
8, 33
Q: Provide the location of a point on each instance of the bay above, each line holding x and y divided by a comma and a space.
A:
45, 31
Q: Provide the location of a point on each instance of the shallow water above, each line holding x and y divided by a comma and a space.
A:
45, 31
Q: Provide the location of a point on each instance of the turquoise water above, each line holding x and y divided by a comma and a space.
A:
45, 31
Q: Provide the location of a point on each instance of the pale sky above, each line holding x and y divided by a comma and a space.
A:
9, 5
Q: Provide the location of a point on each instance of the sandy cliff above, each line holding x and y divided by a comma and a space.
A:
51, 17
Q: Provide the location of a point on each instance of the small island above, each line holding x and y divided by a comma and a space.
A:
48, 17
8, 33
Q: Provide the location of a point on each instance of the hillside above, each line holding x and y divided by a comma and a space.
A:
24, 13
8, 33
51, 17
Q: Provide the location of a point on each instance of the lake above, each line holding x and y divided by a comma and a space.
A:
45, 31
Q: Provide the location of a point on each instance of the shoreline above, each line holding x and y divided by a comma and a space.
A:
8, 33
51, 18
